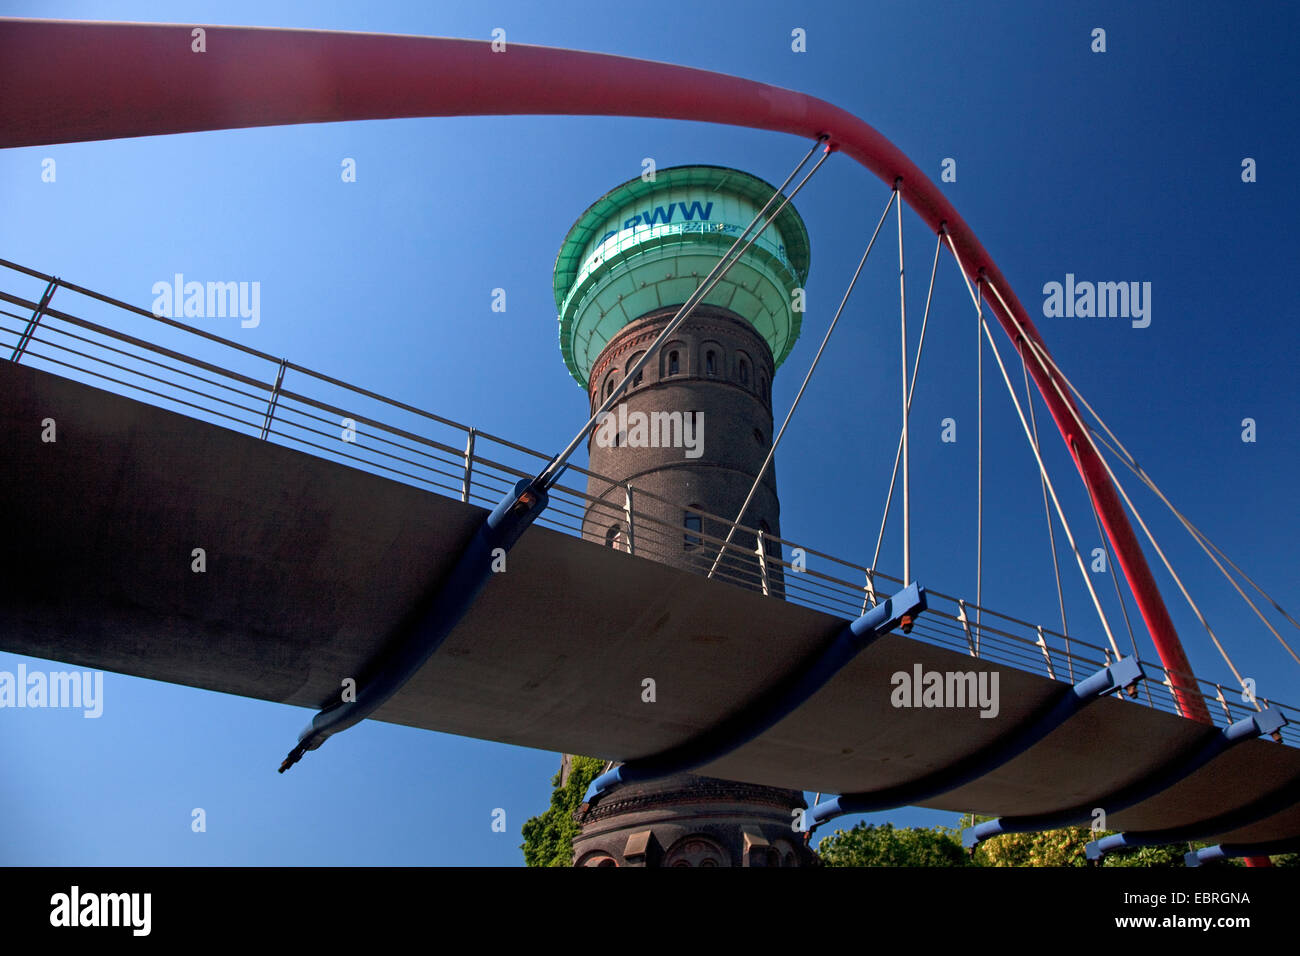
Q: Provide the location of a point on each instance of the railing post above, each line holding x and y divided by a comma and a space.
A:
1042, 642
469, 467
627, 514
965, 626
35, 320
275, 399
762, 563
1169, 685
1224, 702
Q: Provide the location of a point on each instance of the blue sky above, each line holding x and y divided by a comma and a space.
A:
1120, 166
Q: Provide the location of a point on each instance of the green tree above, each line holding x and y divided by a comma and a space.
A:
548, 837
1068, 847
884, 845
1064, 847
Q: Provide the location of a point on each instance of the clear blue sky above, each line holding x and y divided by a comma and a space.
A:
1116, 166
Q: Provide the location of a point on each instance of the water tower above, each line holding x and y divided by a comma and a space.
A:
689, 435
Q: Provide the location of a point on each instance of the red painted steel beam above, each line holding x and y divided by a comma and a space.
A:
66, 81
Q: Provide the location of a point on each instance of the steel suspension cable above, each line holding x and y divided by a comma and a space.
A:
893, 475
906, 396
1206, 542
997, 355
977, 298
1203, 541
771, 452
1060, 513
1047, 513
1147, 531
1174, 574
1052, 373
979, 459
1119, 595
1105, 544
551, 473
1124, 455
1210, 548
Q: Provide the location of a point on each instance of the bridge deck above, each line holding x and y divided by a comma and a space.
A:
311, 564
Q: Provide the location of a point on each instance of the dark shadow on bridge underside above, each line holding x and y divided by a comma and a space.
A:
312, 565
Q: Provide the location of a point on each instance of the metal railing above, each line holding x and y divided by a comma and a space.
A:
269, 397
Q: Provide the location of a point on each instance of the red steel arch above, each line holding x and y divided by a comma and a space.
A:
74, 81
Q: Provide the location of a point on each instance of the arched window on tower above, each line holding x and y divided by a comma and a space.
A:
743, 372
696, 850
710, 363
674, 362
636, 379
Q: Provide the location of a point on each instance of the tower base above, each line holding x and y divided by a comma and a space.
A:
687, 820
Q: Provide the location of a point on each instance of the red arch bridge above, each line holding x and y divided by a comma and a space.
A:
784, 680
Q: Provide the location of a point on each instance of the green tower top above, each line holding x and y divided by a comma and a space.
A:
645, 245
